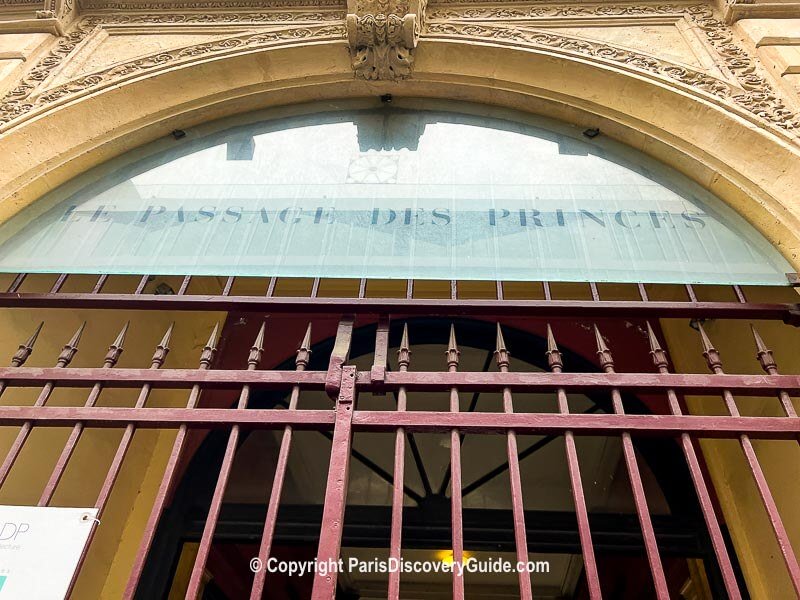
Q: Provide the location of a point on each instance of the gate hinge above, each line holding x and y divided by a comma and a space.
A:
348, 386
339, 354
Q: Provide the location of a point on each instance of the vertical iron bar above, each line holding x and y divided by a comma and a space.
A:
167, 480
473, 404
184, 285
696, 472
556, 365
101, 281
767, 362
226, 291
15, 285
207, 538
396, 539
159, 356
142, 284
301, 362
784, 543
114, 352
66, 356
637, 487
452, 355
59, 283
330, 538
518, 509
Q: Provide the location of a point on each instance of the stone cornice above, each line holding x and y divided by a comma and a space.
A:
206, 6
27, 16
734, 10
516, 25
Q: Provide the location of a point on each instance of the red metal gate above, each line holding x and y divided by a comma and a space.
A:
343, 382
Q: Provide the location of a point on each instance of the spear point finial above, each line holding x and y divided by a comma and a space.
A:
656, 351
116, 347
452, 349
258, 347
709, 352
501, 353
304, 351
553, 353
25, 349
764, 354
603, 353
210, 348
404, 353
160, 355
71, 347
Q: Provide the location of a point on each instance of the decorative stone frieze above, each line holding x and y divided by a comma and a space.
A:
22, 98
382, 35
211, 5
753, 92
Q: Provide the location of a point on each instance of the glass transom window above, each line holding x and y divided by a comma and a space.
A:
393, 194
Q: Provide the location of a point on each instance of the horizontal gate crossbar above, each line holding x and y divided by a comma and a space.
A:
412, 380
416, 306
163, 378
579, 424
167, 418
699, 383
428, 421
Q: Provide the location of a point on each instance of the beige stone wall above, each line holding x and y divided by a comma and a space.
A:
777, 44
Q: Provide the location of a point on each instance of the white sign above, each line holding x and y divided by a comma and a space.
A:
40, 548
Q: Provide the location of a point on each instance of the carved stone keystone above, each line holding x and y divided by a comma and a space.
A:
382, 35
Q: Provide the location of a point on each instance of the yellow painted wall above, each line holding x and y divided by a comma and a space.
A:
752, 535
109, 561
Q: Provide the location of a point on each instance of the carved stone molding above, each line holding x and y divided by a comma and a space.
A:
230, 18
754, 93
382, 35
24, 98
210, 5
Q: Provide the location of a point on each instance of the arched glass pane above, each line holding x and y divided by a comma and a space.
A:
393, 194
